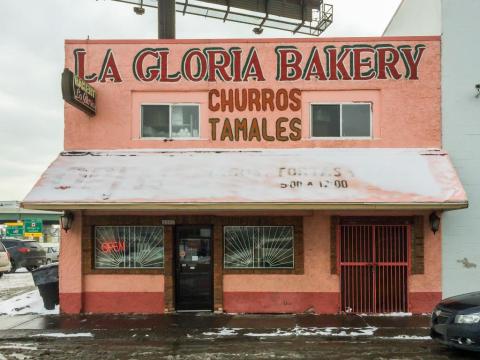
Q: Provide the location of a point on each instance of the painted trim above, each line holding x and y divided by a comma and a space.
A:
244, 206
70, 303
281, 302
423, 302
123, 302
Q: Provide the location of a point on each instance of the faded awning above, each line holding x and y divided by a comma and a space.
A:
250, 179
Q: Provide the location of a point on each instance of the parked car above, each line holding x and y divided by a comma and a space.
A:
25, 253
5, 265
52, 252
456, 322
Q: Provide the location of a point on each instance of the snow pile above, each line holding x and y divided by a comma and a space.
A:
64, 335
409, 337
392, 314
223, 332
28, 303
300, 331
18, 346
20, 279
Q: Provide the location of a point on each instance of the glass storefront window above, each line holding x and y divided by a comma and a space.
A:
258, 247
129, 247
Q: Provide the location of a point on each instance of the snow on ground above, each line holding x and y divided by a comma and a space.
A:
21, 278
64, 335
406, 337
18, 346
300, 331
223, 332
27, 303
392, 314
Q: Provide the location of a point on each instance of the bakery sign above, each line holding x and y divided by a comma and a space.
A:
272, 78
77, 92
234, 64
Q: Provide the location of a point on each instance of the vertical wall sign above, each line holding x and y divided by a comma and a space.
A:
79, 93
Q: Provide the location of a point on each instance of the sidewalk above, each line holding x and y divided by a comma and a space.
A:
198, 324
210, 336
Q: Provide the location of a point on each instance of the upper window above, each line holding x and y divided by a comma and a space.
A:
170, 121
258, 247
341, 120
120, 247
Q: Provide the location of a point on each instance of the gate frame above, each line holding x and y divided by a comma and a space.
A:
371, 221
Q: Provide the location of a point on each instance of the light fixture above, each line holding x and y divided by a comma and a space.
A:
434, 220
66, 220
257, 30
477, 87
139, 10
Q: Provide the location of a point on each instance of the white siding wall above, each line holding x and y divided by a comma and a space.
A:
461, 138
460, 30
416, 17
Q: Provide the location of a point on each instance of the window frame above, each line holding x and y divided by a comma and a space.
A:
369, 103
124, 269
170, 105
292, 227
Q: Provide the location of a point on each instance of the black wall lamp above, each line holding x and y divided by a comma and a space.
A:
434, 220
66, 220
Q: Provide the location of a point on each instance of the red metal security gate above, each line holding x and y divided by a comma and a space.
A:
374, 266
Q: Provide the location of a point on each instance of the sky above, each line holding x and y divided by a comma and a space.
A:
32, 35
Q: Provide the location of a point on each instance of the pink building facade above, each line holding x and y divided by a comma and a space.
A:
267, 176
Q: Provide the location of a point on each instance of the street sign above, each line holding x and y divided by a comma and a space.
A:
14, 229
33, 227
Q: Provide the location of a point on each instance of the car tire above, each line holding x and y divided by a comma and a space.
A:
14, 267
1, 274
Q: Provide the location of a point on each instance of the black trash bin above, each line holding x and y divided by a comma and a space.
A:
46, 279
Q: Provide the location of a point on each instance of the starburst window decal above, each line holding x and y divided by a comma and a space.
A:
129, 247
248, 247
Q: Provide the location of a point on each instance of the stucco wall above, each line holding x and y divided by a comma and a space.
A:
461, 136
317, 289
406, 113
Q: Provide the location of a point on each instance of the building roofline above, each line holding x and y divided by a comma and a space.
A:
250, 40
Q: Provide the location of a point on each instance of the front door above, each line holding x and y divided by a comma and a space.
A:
193, 268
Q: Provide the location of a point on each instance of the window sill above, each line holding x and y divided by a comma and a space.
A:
171, 138
262, 271
363, 138
125, 272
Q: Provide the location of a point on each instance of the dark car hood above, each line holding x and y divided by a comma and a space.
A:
470, 301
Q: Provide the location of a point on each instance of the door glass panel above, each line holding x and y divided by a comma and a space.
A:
193, 254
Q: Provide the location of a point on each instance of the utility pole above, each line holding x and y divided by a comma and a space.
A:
166, 19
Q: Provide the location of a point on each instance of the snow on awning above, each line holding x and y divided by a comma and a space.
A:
250, 179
